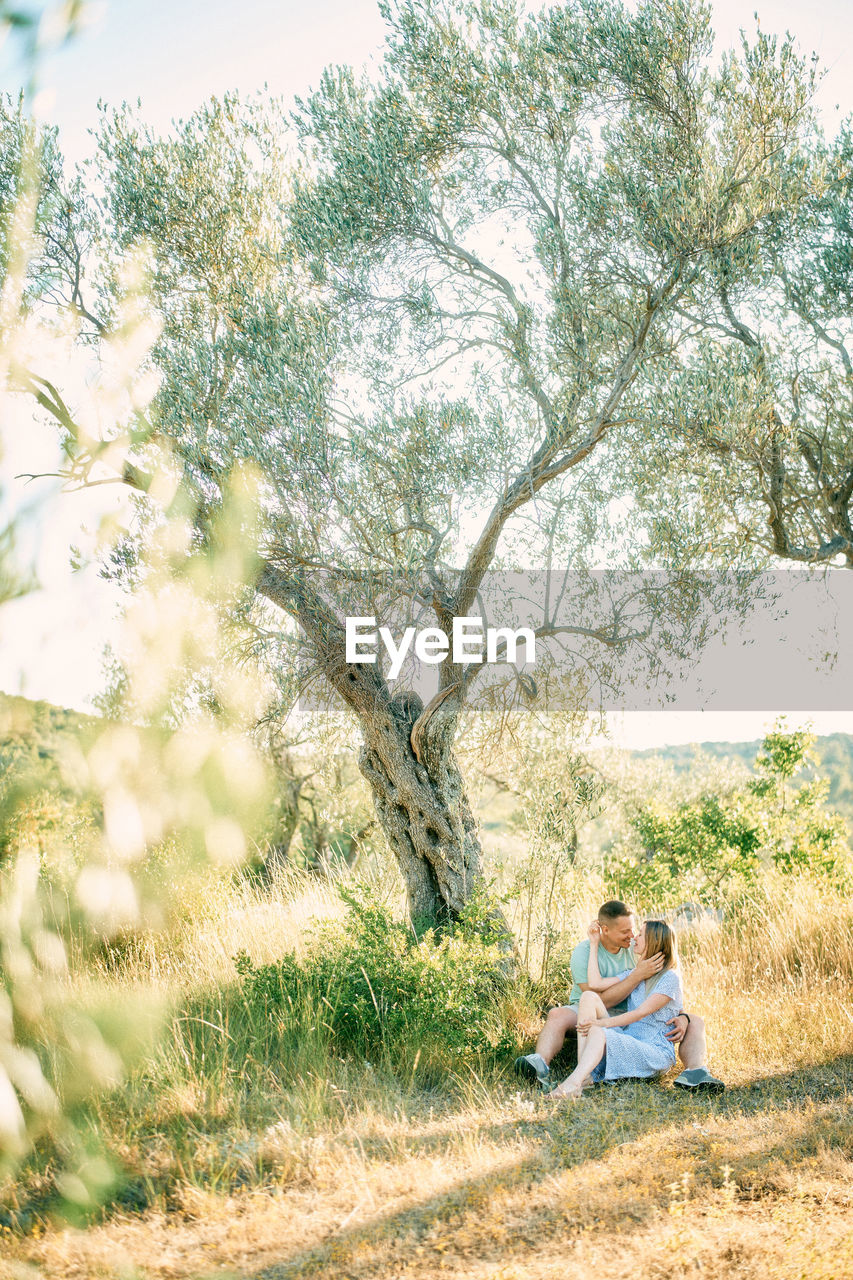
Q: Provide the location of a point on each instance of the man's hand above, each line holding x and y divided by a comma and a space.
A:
649, 966
594, 931
678, 1028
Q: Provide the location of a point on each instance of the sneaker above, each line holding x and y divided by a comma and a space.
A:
699, 1080
534, 1070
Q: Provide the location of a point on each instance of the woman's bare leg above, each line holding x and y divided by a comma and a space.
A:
590, 1052
591, 1006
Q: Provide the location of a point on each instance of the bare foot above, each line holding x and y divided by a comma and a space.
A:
564, 1092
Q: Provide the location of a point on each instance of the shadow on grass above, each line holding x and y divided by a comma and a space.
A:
572, 1136
564, 1137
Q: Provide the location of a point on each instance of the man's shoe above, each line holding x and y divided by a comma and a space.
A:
534, 1070
699, 1080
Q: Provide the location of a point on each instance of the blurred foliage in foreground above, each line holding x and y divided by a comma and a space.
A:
104, 835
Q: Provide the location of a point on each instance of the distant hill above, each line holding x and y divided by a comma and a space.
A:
34, 734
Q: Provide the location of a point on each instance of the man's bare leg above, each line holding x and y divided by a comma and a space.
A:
535, 1067
693, 1049
553, 1034
693, 1052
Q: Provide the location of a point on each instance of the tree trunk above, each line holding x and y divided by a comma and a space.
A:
407, 757
423, 810
278, 853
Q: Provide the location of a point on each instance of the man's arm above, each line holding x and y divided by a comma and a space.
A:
643, 970
678, 1028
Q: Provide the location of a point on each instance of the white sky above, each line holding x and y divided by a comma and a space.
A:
172, 55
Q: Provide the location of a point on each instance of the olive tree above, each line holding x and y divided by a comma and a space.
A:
420, 309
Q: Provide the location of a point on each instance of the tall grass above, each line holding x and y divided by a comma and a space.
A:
245, 1092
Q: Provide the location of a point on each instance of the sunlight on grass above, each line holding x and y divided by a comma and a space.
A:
325, 1165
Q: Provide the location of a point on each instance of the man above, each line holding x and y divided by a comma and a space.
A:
616, 925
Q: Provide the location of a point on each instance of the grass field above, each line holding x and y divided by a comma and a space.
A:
240, 1165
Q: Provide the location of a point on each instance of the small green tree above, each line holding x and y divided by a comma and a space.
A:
710, 847
783, 754
798, 830
699, 849
556, 793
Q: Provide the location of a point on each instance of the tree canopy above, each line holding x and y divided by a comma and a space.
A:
450, 316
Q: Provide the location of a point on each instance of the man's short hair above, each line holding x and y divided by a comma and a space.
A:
610, 911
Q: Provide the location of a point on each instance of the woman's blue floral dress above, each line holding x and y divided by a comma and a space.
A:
642, 1049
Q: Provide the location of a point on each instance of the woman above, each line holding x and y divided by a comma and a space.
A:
631, 1044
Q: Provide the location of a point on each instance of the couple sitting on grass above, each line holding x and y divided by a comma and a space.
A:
625, 1005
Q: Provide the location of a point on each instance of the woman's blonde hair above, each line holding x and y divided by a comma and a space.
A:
659, 937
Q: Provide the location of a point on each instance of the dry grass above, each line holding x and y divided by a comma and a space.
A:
757, 1185
345, 1172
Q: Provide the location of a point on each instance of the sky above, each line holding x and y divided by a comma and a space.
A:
172, 56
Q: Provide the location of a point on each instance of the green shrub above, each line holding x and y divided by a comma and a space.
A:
717, 845
371, 987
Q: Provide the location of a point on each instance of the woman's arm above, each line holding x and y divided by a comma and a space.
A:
594, 980
623, 986
655, 1001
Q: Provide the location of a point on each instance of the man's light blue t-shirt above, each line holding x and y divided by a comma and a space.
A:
609, 966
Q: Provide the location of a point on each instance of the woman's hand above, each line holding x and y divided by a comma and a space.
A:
677, 1028
585, 1024
594, 933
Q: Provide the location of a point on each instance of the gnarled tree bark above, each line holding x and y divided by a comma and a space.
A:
419, 795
